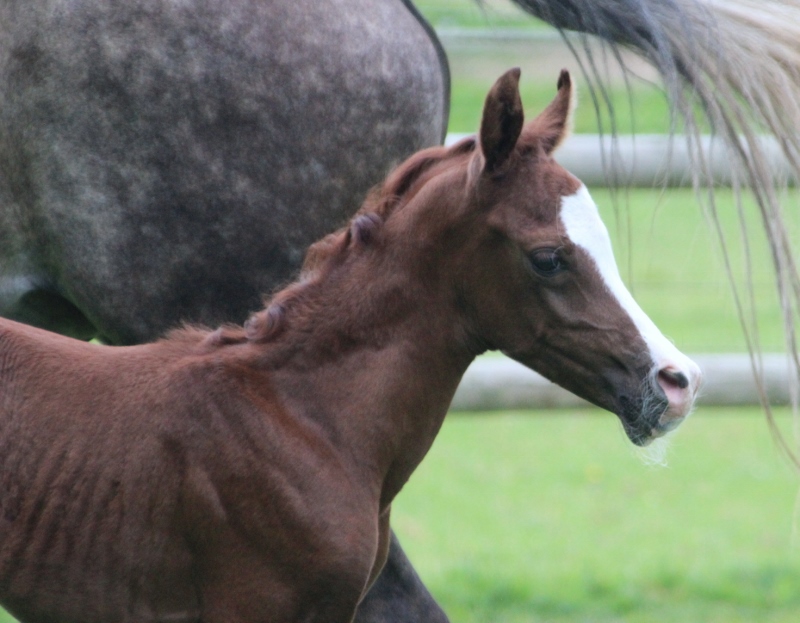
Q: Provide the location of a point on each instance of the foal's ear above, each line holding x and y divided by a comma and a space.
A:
554, 124
502, 120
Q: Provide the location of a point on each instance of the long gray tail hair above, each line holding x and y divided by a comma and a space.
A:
731, 66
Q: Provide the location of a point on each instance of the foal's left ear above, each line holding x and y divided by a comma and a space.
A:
502, 120
554, 124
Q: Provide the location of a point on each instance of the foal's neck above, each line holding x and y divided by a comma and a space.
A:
379, 367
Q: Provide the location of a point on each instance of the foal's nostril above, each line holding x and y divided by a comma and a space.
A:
673, 378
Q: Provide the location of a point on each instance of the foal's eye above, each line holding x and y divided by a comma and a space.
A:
546, 262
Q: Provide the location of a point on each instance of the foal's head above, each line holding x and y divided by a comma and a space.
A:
529, 265
506, 251
545, 288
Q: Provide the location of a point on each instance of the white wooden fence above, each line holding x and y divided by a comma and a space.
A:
498, 383
650, 160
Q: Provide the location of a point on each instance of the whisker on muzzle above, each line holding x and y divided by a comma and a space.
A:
654, 454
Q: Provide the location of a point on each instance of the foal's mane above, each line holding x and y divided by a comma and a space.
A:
322, 256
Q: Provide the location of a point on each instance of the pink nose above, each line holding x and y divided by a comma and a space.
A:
680, 388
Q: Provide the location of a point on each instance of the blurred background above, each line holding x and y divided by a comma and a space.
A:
552, 515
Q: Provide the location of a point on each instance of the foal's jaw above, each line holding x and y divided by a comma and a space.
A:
671, 387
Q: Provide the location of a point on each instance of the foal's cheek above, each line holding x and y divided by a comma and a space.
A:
570, 304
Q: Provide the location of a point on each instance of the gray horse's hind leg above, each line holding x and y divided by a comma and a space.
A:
399, 595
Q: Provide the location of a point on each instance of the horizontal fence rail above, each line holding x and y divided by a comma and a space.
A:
651, 160
495, 383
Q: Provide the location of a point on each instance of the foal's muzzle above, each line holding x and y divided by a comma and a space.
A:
668, 396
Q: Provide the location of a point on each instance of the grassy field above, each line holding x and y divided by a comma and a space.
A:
647, 111
517, 517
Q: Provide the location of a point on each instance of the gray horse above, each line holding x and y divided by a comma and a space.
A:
165, 161
168, 161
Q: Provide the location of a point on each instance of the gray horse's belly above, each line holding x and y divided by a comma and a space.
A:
170, 161
25, 299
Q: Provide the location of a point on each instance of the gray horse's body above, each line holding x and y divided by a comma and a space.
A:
166, 161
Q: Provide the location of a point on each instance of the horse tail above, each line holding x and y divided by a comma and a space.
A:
731, 67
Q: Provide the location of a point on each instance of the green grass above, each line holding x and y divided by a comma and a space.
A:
522, 517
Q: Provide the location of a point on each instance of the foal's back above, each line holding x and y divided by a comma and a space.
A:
89, 484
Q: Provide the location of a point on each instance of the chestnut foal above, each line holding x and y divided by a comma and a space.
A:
247, 474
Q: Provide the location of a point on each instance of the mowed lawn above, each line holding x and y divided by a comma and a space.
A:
534, 517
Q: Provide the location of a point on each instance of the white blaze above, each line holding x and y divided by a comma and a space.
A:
585, 228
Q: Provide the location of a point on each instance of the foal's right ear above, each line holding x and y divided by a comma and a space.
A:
502, 120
